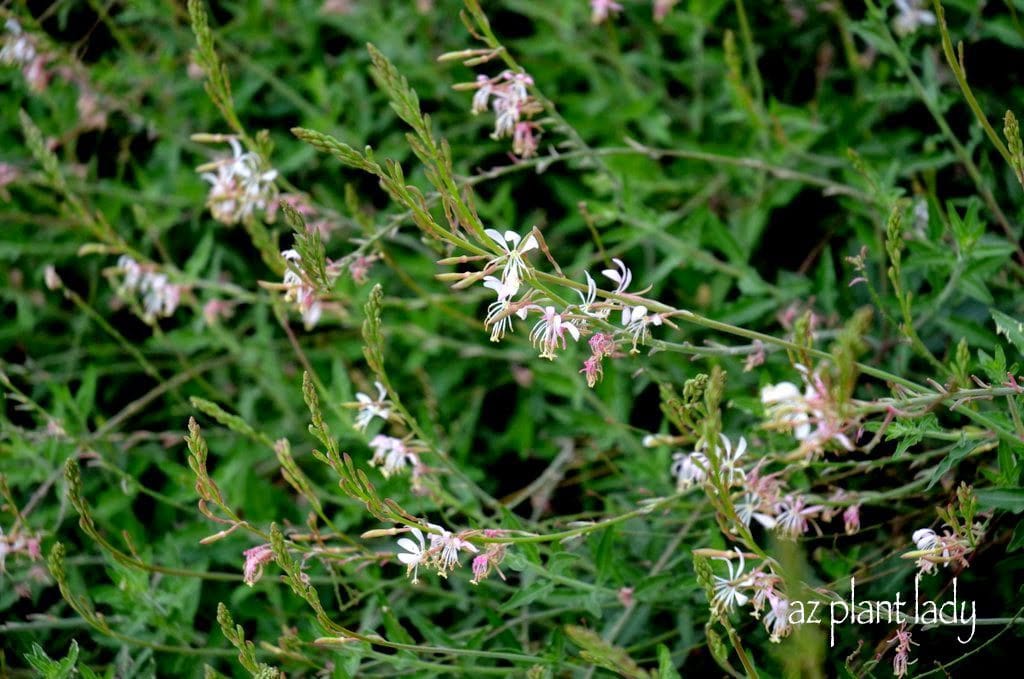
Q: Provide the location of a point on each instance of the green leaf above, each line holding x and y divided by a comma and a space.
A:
1009, 499
1013, 329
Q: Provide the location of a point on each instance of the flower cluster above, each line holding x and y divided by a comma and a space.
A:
756, 496
159, 296
934, 549
760, 588
813, 417
901, 661
392, 455
442, 555
19, 49
555, 327
238, 185
507, 95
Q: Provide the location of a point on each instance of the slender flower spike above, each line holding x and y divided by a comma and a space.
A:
549, 332
901, 662
369, 409
415, 554
514, 267
727, 590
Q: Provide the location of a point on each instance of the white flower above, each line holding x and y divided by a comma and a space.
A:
911, 16
449, 546
729, 461
621, 277
636, 320
747, 509
689, 469
786, 406
776, 621
925, 539
414, 554
793, 516
18, 49
587, 300
727, 590
239, 186
499, 313
300, 292
392, 455
159, 296
369, 409
549, 332
515, 268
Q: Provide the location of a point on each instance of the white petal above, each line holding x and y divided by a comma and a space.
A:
409, 559
497, 238
409, 545
529, 244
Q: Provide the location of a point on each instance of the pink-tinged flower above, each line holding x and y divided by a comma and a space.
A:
446, 547
359, 269
370, 408
661, 9
625, 596
593, 370
159, 296
339, 7
602, 344
216, 309
776, 621
239, 187
794, 516
524, 142
548, 334
481, 567
391, 455
851, 519
727, 590
512, 260
901, 662
415, 554
255, 559
601, 9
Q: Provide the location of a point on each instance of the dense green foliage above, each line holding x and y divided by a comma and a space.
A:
813, 187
